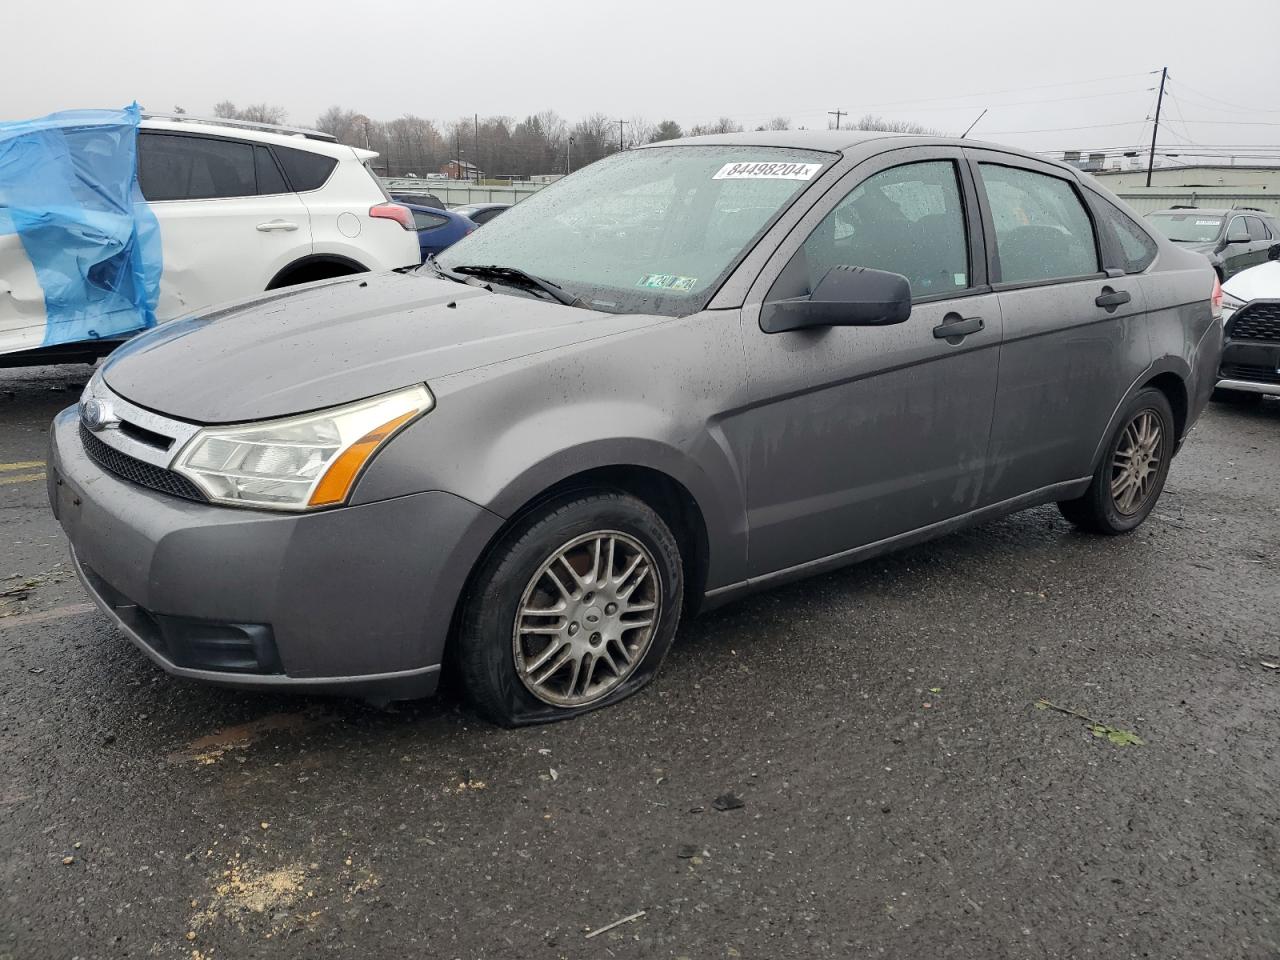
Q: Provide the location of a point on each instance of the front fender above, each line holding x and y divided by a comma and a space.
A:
502, 443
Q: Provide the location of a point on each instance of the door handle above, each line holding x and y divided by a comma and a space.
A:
277, 225
955, 327
1110, 299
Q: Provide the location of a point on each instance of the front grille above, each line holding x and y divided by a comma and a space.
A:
1245, 371
138, 471
1259, 320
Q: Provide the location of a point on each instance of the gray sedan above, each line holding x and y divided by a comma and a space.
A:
684, 373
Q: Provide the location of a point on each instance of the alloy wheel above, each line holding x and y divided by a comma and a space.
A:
586, 618
1136, 462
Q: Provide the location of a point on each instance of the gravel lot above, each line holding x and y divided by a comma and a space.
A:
902, 795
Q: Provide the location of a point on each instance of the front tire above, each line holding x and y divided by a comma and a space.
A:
574, 609
1133, 469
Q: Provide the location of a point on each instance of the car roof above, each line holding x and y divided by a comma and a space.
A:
842, 141
426, 209
258, 133
480, 206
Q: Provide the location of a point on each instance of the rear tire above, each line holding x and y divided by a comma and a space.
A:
573, 583
1239, 398
1132, 471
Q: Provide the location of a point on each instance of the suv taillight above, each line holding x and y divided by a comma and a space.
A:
393, 211
1215, 300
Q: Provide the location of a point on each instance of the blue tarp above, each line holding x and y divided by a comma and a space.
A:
69, 190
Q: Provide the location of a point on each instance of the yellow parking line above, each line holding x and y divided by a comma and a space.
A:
22, 478
21, 465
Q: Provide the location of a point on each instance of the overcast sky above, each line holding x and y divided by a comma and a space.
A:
1037, 66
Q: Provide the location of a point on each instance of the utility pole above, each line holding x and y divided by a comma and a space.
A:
568, 143
837, 114
620, 124
476, 154
1155, 127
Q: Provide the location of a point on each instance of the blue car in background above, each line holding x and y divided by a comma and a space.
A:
438, 229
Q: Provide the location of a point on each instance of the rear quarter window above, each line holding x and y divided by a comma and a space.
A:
1130, 242
427, 221
305, 170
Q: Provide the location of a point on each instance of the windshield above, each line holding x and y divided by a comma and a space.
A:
1190, 227
645, 231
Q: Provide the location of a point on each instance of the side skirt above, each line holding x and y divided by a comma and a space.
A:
1067, 490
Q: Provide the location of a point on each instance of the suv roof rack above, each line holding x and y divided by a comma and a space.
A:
1253, 209
246, 124
1184, 206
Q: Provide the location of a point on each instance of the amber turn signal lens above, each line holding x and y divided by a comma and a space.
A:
337, 481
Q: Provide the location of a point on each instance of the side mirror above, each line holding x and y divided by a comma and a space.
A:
845, 297
1273, 252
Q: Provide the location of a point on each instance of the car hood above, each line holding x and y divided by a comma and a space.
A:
1257, 283
334, 342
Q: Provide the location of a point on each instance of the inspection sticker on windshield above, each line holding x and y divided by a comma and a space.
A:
747, 170
667, 281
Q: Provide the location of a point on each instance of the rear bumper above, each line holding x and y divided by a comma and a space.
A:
353, 600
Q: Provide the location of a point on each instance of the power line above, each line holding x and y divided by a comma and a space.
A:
837, 114
1228, 102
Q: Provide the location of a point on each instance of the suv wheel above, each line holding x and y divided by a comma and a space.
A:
1134, 466
574, 609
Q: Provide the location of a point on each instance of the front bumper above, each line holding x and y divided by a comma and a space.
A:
1250, 367
353, 600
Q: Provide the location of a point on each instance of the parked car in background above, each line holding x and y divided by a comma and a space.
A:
481, 213
1233, 240
544, 447
1251, 325
243, 208
438, 229
419, 199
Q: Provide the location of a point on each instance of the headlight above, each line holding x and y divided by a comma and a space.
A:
1231, 303
297, 463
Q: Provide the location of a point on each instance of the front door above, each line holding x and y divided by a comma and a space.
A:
228, 222
856, 434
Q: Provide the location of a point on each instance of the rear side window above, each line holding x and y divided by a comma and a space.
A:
1257, 229
176, 167
270, 180
427, 221
1135, 245
1042, 229
305, 170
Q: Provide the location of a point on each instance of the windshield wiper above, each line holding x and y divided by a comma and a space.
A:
521, 278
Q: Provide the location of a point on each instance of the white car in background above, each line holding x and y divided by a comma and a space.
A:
1250, 367
243, 208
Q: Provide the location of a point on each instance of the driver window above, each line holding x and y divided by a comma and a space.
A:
907, 220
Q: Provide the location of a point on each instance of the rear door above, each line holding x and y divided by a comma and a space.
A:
228, 220
1073, 330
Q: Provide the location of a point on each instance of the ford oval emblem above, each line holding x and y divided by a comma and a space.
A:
96, 414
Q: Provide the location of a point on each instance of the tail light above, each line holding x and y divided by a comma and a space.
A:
393, 211
1215, 299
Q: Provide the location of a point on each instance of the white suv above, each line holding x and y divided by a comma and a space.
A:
243, 208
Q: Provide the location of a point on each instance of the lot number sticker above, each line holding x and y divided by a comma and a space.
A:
752, 170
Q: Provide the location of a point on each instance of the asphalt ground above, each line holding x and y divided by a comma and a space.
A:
902, 795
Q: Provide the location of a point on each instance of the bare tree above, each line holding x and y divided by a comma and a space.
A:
778, 123
721, 125
263, 113
873, 122
640, 130
256, 112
